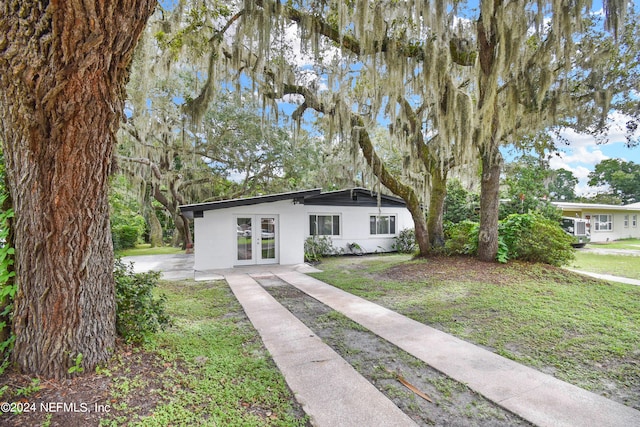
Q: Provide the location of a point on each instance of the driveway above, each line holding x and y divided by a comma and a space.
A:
173, 267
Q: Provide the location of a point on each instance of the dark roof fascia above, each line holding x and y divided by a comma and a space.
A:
313, 197
222, 204
332, 198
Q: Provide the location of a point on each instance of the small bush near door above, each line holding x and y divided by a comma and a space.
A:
316, 247
138, 313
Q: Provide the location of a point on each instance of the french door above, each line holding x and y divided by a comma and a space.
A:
256, 239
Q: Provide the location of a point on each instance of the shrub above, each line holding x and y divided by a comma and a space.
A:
459, 204
125, 237
405, 242
316, 247
126, 230
527, 237
462, 238
138, 313
532, 237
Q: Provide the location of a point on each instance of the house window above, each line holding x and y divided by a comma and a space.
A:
382, 224
324, 225
634, 221
626, 221
603, 222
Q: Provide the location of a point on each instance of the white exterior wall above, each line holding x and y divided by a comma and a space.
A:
354, 226
216, 237
619, 230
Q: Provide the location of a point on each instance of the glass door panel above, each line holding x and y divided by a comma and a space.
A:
268, 238
244, 238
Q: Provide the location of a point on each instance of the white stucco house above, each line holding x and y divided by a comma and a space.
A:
272, 229
606, 222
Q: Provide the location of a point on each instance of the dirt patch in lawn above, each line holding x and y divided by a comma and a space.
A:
456, 269
389, 368
88, 399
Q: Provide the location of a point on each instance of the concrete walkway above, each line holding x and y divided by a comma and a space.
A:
333, 394
607, 277
330, 391
536, 397
172, 266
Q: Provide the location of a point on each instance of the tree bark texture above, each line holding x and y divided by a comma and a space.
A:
488, 141
181, 222
63, 66
489, 205
436, 208
155, 229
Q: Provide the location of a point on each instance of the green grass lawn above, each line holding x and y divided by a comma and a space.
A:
209, 368
218, 372
618, 244
617, 265
146, 249
582, 330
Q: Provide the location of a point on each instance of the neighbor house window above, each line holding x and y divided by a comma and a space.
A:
324, 225
634, 221
626, 221
382, 224
603, 222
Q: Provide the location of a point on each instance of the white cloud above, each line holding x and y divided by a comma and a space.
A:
580, 162
580, 155
303, 58
617, 132
584, 151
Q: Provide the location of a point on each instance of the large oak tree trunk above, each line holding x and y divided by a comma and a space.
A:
436, 209
155, 229
180, 222
420, 226
488, 142
489, 204
63, 66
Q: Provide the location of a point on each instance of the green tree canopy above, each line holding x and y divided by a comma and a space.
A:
527, 180
563, 185
622, 178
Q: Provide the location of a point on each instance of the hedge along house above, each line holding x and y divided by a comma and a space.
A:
272, 229
605, 222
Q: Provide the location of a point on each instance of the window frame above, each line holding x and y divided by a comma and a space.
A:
392, 224
336, 219
598, 222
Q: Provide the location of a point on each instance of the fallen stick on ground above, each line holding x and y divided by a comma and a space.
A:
410, 386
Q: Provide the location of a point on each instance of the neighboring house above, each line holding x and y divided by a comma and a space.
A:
606, 222
272, 229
